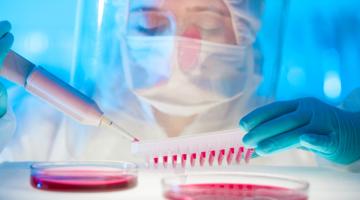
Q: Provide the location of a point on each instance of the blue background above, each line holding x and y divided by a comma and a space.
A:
319, 44
43, 30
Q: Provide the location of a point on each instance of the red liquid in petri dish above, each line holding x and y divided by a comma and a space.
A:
232, 192
82, 180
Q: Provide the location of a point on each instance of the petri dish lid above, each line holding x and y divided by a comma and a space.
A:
233, 185
83, 176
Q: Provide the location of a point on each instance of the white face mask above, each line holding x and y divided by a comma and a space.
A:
183, 77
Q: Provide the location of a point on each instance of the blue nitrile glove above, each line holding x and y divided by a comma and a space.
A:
307, 124
3, 100
6, 40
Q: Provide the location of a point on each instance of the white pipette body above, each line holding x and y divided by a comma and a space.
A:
39, 82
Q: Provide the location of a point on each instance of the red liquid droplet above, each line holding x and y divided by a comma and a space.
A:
248, 155
211, 157
202, 158
221, 156
232, 192
165, 161
156, 161
230, 155
183, 160
174, 161
77, 180
192, 159
239, 155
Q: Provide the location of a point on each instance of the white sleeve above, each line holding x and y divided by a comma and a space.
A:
7, 128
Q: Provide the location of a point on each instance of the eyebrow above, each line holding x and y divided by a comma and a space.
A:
208, 9
144, 8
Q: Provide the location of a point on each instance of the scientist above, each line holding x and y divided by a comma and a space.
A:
185, 68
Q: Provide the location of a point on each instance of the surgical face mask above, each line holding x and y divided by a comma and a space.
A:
181, 76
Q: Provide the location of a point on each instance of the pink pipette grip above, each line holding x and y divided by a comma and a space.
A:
43, 84
16, 68
68, 100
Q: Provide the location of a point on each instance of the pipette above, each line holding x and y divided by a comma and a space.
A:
39, 82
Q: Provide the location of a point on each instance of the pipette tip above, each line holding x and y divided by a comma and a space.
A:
119, 129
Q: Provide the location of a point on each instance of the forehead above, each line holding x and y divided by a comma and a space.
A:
171, 4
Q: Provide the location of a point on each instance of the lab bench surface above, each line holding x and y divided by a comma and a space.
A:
324, 183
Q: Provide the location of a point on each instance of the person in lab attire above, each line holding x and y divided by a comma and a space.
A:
185, 68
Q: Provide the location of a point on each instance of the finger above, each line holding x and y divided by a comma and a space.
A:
316, 142
279, 143
6, 41
254, 155
274, 127
5, 27
266, 113
303, 148
3, 100
5, 45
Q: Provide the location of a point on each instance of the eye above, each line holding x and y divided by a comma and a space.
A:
149, 23
208, 22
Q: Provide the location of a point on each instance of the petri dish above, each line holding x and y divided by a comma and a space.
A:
83, 176
231, 186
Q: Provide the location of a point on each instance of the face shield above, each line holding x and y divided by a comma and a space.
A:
184, 59
180, 57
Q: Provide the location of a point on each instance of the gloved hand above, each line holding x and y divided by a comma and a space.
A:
6, 40
3, 100
307, 124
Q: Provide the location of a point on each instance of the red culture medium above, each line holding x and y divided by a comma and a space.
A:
232, 192
82, 180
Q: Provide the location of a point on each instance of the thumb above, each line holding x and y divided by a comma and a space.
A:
317, 143
3, 100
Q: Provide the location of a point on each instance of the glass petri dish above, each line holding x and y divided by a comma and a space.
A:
231, 186
83, 176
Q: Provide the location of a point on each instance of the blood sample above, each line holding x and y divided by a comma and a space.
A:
221, 156
183, 160
202, 158
165, 161
174, 161
233, 186
248, 155
211, 157
89, 177
87, 182
230, 156
232, 191
156, 161
192, 159
239, 155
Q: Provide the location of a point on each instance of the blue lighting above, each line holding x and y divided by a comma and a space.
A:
36, 43
296, 76
320, 54
332, 85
